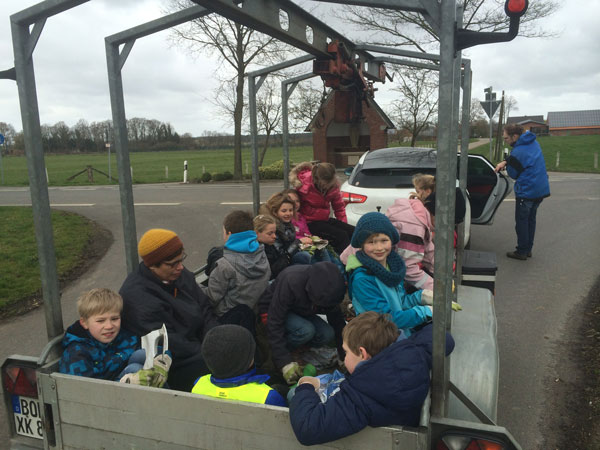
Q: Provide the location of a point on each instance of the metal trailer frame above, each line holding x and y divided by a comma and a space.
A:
442, 16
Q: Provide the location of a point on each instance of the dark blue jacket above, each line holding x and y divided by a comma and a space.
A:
526, 165
388, 389
85, 356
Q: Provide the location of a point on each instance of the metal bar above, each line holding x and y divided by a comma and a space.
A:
43, 10
407, 62
405, 5
35, 35
157, 25
38, 186
397, 52
254, 143
283, 65
469, 404
117, 104
125, 53
445, 189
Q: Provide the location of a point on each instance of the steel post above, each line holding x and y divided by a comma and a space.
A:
254, 143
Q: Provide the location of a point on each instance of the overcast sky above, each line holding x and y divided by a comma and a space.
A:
163, 82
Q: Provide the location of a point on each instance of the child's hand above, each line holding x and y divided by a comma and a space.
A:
413, 195
310, 380
306, 240
291, 372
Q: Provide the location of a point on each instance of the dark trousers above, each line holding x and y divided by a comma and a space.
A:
525, 221
183, 378
240, 315
338, 233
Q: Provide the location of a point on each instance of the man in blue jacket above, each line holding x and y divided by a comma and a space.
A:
527, 167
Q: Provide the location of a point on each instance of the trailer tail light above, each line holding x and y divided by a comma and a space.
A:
458, 442
515, 8
349, 197
20, 381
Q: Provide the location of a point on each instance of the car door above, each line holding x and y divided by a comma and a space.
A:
486, 189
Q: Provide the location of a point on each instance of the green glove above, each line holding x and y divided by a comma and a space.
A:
456, 307
291, 372
162, 364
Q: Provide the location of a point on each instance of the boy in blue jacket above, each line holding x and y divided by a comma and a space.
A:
95, 346
388, 382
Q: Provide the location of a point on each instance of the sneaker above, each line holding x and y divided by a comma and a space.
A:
529, 255
516, 255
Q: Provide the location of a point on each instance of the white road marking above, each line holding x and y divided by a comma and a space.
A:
236, 203
156, 204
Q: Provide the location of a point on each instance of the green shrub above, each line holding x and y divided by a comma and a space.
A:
206, 177
272, 172
228, 175
219, 177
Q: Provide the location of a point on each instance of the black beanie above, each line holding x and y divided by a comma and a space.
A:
228, 350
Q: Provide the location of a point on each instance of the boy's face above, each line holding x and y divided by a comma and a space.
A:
378, 247
351, 360
103, 327
226, 234
268, 235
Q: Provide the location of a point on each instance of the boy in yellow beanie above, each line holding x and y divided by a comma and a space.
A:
161, 290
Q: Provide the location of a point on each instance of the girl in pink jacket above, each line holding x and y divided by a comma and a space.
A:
319, 192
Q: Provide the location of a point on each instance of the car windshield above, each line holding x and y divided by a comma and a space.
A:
390, 178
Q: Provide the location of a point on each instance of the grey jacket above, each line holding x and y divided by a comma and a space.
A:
239, 277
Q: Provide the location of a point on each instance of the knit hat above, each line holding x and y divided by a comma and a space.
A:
157, 245
228, 350
459, 207
371, 223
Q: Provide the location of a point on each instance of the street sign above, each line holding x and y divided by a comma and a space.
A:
1, 139
490, 107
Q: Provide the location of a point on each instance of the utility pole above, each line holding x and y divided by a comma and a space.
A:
490, 105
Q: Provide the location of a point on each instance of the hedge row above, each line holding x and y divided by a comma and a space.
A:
271, 172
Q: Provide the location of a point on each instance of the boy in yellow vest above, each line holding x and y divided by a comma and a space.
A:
228, 351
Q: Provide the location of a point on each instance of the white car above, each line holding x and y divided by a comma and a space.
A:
382, 176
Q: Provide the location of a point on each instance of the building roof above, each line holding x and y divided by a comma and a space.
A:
524, 119
574, 119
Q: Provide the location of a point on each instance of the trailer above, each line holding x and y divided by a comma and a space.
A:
55, 411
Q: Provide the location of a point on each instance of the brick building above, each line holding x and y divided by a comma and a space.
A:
574, 123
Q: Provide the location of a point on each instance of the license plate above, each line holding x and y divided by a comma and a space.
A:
28, 418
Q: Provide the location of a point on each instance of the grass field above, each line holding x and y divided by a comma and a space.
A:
576, 152
148, 167
576, 155
18, 251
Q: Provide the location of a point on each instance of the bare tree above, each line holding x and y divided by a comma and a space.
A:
417, 107
404, 28
305, 103
268, 112
238, 47
510, 104
9, 133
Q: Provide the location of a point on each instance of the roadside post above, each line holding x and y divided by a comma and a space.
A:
2, 141
185, 172
490, 106
107, 145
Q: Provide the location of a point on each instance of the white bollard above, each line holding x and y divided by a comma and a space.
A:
557, 159
246, 168
131, 171
596, 160
47, 179
166, 172
203, 169
185, 172
505, 152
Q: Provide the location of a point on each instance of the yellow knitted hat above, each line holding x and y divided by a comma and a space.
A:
157, 245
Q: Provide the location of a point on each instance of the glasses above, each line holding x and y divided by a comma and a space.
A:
175, 263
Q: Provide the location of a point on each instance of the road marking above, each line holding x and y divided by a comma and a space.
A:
236, 203
70, 204
156, 204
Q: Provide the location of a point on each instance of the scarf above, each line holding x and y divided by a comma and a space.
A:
392, 277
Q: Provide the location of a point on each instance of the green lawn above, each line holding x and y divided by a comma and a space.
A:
18, 251
576, 152
148, 167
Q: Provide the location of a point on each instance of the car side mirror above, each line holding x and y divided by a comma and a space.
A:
348, 171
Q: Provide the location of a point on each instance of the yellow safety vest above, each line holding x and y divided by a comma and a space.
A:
251, 392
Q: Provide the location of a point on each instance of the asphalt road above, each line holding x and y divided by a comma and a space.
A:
534, 298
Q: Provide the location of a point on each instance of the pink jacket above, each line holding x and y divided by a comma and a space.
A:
301, 226
313, 204
413, 222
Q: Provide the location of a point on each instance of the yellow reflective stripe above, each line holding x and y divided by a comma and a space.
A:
252, 392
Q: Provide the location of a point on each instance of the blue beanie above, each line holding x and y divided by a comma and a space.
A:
371, 223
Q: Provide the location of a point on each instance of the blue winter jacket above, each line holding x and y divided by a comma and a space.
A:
388, 389
369, 293
85, 356
526, 165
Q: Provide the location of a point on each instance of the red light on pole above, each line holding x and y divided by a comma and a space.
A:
515, 8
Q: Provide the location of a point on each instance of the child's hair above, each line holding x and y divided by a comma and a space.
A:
238, 221
370, 330
424, 181
323, 175
274, 203
98, 301
514, 128
290, 191
262, 220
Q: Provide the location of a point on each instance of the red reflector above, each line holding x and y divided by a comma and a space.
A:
348, 197
462, 442
20, 381
516, 8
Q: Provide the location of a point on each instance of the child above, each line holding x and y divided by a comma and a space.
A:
95, 346
299, 222
424, 186
376, 275
228, 351
319, 191
286, 248
388, 382
242, 274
